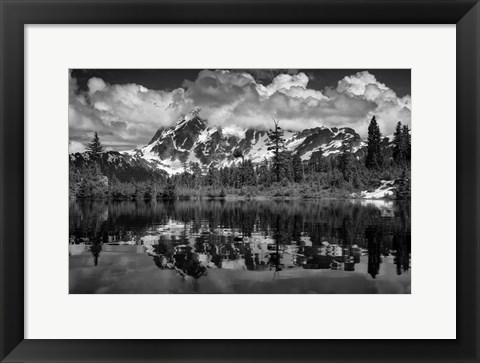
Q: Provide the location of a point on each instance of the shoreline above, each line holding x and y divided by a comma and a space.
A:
233, 198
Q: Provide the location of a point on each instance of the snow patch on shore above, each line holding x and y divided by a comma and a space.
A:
386, 189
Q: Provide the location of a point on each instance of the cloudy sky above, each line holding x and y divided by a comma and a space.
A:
126, 107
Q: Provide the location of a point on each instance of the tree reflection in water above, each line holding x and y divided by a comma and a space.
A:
191, 237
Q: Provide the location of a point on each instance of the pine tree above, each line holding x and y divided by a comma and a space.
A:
402, 145
297, 168
374, 159
407, 141
403, 188
248, 173
276, 144
263, 173
169, 192
346, 163
212, 177
397, 143
317, 162
95, 147
236, 177
224, 176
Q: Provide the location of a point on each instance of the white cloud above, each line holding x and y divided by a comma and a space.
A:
95, 84
389, 107
124, 115
290, 85
75, 147
227, 98
129, 114
357, 84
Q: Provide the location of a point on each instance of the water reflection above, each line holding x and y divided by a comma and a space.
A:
195, 238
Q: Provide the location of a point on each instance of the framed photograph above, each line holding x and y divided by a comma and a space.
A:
239, 181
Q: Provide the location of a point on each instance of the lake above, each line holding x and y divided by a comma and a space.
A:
240, 247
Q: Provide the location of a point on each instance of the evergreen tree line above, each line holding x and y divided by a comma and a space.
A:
285, 174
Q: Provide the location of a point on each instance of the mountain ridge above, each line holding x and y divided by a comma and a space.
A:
192, 140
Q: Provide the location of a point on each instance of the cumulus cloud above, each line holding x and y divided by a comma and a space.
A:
290, 85
265, 76
226, 98
96, 84
127, 115
75, 147
389, 108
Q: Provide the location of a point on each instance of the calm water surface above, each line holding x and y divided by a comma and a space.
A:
328, 246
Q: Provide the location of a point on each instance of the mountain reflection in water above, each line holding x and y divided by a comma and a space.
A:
328, 246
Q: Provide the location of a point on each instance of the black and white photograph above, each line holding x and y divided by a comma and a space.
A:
239, 181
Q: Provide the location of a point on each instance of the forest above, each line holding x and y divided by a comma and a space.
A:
283, 176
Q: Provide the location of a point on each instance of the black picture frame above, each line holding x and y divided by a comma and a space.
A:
15, 14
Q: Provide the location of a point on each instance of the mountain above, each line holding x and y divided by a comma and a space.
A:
191, 139
125, 167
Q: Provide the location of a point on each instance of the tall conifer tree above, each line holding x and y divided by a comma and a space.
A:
407, 141
397, 143
297, 168
374, 159
95, 147
277, 145
401, 145
347, 163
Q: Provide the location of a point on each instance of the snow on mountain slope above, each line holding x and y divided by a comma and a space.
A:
126, 166
192, 140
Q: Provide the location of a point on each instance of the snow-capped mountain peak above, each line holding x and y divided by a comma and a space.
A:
192, 140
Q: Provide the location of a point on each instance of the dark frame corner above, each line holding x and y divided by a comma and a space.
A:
15, 14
